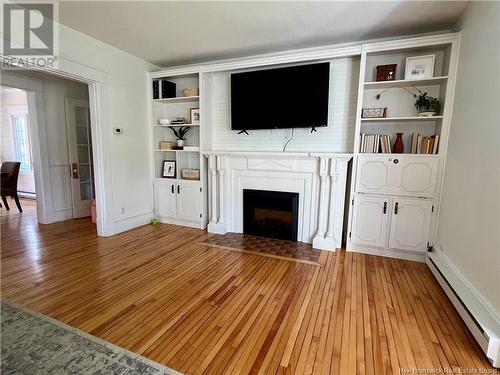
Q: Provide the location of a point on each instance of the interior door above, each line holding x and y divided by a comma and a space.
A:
80, 155
188, 200
370, 220
410, 224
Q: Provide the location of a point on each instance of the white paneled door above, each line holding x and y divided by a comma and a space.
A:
188, 200
410, 224
370, 220
80, 155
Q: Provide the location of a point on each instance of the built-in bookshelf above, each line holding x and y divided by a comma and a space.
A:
395, 195
179, 194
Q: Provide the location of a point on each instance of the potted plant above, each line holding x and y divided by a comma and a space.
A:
427, 105
180, 134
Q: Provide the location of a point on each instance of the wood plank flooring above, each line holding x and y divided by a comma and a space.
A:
157, 291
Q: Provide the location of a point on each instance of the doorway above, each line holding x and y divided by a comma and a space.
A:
59, 113
16, 148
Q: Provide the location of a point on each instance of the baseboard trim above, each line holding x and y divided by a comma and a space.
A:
180, 222
478, 314
129, 223
62, 214
389, 253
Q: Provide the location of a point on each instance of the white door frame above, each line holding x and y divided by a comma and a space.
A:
96, 81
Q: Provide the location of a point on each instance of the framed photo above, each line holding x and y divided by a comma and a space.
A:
386, 72
420, 67
374, 112
168, 170
194, 115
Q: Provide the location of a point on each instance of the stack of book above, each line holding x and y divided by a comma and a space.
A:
424, 145
381, 143
375, 143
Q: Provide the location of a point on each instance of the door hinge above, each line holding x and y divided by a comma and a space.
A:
429, 247
201, 215
352, 202
349, 234
201, 189
432, 209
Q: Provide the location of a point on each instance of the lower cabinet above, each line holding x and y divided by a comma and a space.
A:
388, 222
178, 200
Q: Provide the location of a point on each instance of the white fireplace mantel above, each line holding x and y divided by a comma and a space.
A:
319, 178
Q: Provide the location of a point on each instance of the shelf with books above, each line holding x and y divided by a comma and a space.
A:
382, 143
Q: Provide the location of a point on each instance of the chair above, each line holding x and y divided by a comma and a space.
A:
9, 173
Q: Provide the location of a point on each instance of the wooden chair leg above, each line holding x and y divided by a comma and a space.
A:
16, 198
4, 199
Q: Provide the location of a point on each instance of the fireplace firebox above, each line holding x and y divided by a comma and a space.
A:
271, 214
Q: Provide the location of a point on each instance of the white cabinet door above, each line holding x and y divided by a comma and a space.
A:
410, 224
370, 220
374, 174
166, 198
406, 175
416, 176
188, 200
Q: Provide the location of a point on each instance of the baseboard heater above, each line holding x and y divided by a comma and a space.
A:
483, 325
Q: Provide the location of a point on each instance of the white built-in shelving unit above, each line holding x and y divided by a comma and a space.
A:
177, 200
395, 197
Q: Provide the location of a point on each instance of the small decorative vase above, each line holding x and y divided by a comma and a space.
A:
180, 142
398, 144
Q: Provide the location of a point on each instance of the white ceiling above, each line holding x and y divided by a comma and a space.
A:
171, 33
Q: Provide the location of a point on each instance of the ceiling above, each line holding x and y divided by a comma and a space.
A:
172, 33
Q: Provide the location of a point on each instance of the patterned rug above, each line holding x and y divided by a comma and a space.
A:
33, 343
264, 245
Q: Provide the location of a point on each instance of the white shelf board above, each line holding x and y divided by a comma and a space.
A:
405, 83
197, 150
402, 119
177, 179
179, 99
175, 125
398, 155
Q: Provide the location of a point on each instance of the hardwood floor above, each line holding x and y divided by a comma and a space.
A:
157, 291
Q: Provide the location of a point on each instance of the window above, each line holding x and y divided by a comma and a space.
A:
21, 141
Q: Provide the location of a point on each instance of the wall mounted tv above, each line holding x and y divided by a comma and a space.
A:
281, 98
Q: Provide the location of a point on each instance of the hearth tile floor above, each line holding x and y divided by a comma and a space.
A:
271, 246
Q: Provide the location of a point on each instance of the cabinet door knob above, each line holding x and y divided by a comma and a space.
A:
385, 208
396, 208
178, 189
173, 191
396, 161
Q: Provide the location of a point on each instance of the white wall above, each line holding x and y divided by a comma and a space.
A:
127, 156
469, 223
336, 137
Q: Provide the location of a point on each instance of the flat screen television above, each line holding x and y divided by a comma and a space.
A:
282, 98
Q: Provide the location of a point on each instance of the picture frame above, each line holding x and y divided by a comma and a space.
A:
386, 72
168, 169
194, 116
374, 112
420, 67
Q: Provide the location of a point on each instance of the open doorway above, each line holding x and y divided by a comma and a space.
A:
18, 181
59, 113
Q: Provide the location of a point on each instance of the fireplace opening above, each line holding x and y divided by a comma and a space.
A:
270, 214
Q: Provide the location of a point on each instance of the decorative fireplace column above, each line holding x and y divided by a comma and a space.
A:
331, 206
216, 168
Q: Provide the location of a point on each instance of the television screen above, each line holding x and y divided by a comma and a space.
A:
280, 98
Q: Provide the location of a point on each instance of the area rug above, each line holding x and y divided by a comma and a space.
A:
33, 343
